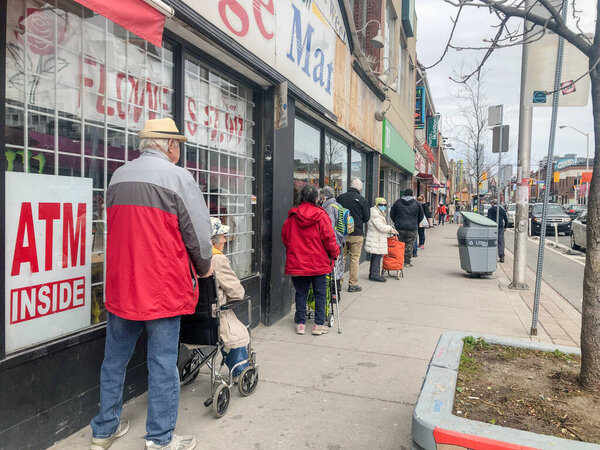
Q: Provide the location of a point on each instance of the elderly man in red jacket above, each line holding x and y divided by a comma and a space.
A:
311, 249
158, 240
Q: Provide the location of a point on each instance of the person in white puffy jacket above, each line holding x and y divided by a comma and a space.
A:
377, 234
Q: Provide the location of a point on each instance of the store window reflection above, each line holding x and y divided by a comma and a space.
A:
336, 164
307, 157
358, 166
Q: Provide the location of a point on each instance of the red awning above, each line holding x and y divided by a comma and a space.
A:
136, 16
425, 176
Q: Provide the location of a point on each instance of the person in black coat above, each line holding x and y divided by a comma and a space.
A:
503, 224
354, 202
406, 214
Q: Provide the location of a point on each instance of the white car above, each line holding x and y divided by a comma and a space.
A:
511, 210
578, 232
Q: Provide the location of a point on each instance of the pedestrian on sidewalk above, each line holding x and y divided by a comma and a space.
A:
311, 246
354, 202
154, 240
376, 242
502, 225
333, 210
441, 213
406, 214
232, 332
452, 215
421, 231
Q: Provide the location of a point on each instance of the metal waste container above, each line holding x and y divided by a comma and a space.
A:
478, 244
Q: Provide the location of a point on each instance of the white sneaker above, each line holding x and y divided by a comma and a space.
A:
177, 443
104, 443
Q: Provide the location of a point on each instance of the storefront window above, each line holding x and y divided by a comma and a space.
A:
307, 157
218, 124
359, 166
78, 88
336, 164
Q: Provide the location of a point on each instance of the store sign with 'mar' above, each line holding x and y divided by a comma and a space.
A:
291, 36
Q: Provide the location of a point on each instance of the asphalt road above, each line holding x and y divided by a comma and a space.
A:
561, 271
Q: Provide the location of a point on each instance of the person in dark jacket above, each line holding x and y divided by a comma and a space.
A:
406, 214
425, 207
503, 223
311, 249
354, 202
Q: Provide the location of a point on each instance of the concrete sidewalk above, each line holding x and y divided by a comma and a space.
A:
356, 390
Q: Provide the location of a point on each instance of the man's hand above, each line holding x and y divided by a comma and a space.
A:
207, 274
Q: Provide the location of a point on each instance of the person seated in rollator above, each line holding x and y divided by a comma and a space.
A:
310, 245
232, 332
333, 209
377, 234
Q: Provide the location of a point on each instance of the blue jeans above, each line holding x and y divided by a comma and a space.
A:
234, 356
163, 376
302, 285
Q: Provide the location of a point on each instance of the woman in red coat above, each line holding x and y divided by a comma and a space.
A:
311, 247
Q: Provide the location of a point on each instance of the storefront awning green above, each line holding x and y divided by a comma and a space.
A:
397, 149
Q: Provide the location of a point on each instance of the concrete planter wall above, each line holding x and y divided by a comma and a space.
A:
435, 427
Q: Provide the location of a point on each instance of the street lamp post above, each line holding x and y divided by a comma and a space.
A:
587, 153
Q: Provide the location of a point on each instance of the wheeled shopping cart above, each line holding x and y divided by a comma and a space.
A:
200, 345
394, 260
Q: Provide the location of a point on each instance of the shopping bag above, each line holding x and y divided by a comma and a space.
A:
424, 223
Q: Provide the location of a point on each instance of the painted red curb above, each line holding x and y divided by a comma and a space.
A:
473, 442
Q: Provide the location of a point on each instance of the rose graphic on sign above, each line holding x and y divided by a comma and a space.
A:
37, 33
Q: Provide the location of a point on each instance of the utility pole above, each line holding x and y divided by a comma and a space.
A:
523, 170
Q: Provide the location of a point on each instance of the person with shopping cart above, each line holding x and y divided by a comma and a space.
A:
310, 247
377, 233
333, 210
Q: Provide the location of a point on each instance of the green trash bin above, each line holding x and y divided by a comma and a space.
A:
477, 244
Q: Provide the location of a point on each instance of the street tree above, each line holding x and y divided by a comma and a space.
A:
540, 16
470, 129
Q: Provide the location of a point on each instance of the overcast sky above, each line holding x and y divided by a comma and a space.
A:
502, 81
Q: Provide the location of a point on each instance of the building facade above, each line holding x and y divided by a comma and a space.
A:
271, 96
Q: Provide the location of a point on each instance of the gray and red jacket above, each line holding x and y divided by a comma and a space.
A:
158, 239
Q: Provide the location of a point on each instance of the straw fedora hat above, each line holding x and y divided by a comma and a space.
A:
161, 129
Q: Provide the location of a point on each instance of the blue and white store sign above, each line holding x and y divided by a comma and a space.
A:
292, 36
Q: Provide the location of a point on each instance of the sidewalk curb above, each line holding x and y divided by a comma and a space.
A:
433, 422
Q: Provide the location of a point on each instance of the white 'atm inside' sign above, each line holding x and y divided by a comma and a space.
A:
48, 244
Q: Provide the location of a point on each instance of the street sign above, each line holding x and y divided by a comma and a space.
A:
568, 87
539, 97
556, 177
496, 139
494, 116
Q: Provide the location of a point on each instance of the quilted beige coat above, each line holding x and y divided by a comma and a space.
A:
233, 333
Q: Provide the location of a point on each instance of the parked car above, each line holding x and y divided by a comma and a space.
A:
511, 210
574, 210
578, 231
556, 215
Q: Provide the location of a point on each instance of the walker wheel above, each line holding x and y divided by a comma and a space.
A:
220, 401
247, 381
399, 275
331, 320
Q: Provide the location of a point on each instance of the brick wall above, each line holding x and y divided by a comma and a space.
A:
365, 10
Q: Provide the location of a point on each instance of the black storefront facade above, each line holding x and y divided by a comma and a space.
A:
74, 98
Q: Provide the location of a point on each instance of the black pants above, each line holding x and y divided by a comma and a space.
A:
302, 285
421, 235
501, 242
375, 267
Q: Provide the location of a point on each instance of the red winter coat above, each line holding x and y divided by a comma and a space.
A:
310, 241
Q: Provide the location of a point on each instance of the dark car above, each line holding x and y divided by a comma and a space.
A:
573, 210
556, 215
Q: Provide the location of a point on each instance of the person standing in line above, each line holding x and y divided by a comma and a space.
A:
441, 213
376, 242
406, 214
428, 213
158, 240
331, 207
310, 245
502, 225
354, 202
452, 212
425, 206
